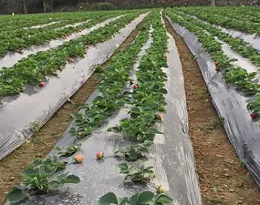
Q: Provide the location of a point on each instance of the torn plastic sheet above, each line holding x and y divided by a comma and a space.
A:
171, 156
12, 58
242, 132
19, 115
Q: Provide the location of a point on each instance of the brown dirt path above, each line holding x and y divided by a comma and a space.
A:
223, 181
45, 139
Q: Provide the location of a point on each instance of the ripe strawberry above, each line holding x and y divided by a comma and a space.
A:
61, 67
216, 63
253, 115
70, 60
79, 158
20, 51
134, 86
160, 189
159, 117
217, 69
100, 155
42, 84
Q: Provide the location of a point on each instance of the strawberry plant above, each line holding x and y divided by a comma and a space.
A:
112, 95
137, 172
254, 106
242, 80
237, 44
14, 40
143, 198
36, 67
223, 19
134, 152
42, 176
237, 76
69, 151
137, 129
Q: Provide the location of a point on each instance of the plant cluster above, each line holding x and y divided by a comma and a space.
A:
146, 100
230, 20
37, 67
42, 176
137, 172
237, 76
69, 151
46, 175
111, 90
25, 21
143, 198
134, 152
237, 44
15, 40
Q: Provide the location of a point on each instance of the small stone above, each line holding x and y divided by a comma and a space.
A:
39, 155
11, 178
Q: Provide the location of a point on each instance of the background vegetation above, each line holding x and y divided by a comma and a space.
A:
34, 6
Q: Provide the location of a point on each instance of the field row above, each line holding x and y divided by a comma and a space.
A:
34, 69
16, 22
211, 38
230, 68
16, 40
122, 85
238, 19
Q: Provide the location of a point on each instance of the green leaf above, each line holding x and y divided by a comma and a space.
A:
164, 199
123, 201
16, 195
107, 199
145, 197
123, 168
54, 185
132, 154
134, 199
71, 179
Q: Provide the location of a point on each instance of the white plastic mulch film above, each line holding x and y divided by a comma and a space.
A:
171, 155
19, 115
242, 132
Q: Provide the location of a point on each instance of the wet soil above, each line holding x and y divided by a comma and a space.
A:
223, 180
45, 139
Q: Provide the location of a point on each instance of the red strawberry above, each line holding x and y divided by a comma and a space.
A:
159, 117
78, 158
61, 67
70, 60
42, 84
216, 63
217, 69
134, 86
100, 155
253, 115
20, 51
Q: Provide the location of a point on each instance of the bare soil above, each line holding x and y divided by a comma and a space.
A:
45, 139
223, 181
